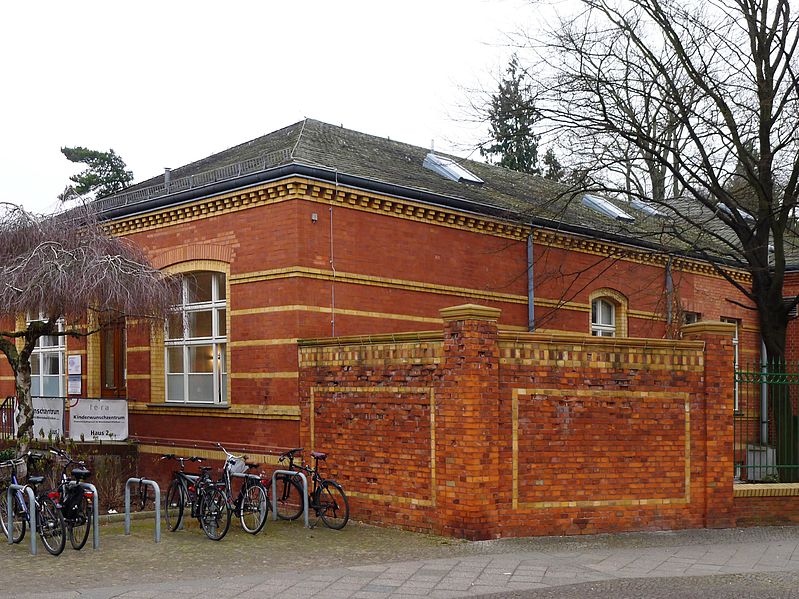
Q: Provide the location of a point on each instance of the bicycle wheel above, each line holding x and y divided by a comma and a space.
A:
289, 498
174, 502
254, 507
332, 505
213, 514
51, 526
78, 527
19, 518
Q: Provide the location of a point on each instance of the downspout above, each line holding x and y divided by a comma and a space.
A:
763, 394
669, 295
333, 266
530, 284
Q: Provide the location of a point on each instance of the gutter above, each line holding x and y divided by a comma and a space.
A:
390, 189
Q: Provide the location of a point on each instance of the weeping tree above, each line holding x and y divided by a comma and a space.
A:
62, 268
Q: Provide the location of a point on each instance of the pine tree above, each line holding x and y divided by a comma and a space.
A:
512, 116
106, 173
554, 170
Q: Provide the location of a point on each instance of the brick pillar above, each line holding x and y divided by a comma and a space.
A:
467, 424
719, 397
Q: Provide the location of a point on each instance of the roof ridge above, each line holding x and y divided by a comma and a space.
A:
299, 138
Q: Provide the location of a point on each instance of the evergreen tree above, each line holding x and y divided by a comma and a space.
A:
554, 169
512, 116
105, 175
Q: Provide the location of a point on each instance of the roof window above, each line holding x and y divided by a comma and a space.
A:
645, 207
603, 206
744, 215
446, 167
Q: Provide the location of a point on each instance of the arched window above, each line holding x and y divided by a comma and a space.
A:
195, 341
603, 318
608, 313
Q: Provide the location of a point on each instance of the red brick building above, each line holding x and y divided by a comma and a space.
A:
316, 231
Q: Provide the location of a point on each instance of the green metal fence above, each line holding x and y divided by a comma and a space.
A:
766, 423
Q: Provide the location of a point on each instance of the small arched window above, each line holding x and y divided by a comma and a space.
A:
603, 318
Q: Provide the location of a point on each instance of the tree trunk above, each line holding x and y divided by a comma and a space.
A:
24, 405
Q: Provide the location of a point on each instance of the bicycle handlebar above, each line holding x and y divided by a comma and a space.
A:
231, 455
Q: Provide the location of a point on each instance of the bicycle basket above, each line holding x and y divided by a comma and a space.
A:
237, 465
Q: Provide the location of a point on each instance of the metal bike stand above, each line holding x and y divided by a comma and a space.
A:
95, 515
194, 478
304, 493
31, 513
247, 475
157, 491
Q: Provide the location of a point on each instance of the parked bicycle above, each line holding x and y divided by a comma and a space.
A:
325, 496
49, 520
205, 499
251, 505
75, 502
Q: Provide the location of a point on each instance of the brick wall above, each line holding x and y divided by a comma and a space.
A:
491, 433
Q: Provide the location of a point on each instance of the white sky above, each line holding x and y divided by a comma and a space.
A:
165, 83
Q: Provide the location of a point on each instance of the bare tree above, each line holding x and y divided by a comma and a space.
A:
62, 268
694, 108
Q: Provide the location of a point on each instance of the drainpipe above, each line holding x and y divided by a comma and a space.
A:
669, 293
763, 394
530, 284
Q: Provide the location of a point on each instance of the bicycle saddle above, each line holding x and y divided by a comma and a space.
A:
35, 480
205, 468
318, 455
80, 473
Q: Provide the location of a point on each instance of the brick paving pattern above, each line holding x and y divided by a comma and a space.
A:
365, 562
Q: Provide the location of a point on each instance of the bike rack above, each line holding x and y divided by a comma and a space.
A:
157, 491
304, 493
95, 514
31, 513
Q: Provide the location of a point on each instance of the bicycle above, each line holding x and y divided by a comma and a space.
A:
49, 520
206, 501
325, 496
251, 505
75, 502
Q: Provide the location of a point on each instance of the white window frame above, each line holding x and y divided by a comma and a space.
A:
40, 352
691, 317
598, 328
217, 341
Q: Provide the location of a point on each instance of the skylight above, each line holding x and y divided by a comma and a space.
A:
603, 206
741, 213
645, 207
446, 167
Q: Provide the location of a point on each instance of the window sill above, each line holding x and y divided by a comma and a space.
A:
190, 405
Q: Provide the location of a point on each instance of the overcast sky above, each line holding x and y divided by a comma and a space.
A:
166, 83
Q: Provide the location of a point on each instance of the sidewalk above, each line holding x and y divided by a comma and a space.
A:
365, 562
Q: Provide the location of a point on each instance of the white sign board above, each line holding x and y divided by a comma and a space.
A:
48, 418
98, 420
73, 364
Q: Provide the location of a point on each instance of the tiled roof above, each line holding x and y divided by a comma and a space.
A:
524, 197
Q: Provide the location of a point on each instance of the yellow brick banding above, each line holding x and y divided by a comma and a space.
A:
368, 280
593, 393
766, 490
300, 188
257, 412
